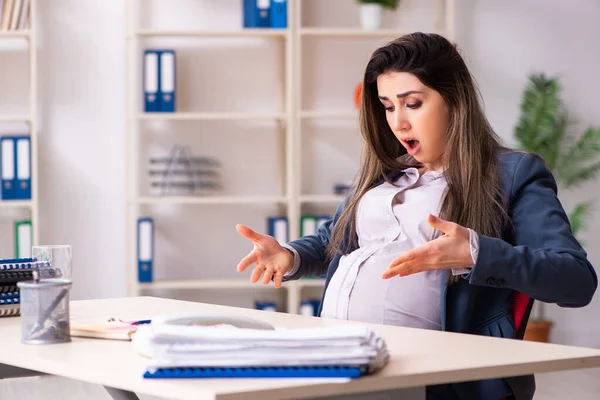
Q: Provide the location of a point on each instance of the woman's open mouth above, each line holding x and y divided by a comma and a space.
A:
412, 146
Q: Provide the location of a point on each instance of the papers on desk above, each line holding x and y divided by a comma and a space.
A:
201, 351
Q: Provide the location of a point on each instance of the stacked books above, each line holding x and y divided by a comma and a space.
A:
16, 270
224, 351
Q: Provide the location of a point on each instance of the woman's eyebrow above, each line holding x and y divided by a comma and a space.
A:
400, 95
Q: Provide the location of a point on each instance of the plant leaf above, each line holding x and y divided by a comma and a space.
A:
573, 176
537, 126
574, 161
391, 4
579, 217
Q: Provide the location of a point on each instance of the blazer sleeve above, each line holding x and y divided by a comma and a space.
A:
312, 250
544, 261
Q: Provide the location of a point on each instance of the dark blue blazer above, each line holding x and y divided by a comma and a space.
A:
537, 256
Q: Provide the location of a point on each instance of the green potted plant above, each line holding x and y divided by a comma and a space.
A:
544, 128
372, 10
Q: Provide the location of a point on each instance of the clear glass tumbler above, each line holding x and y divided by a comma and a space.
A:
60, 258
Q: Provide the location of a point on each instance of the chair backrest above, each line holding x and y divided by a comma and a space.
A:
522, 305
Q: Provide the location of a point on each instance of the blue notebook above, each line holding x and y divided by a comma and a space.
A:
319, 371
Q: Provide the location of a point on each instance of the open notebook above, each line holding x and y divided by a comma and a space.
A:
227, 351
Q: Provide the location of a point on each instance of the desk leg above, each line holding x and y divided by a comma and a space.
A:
8, 371
120, 394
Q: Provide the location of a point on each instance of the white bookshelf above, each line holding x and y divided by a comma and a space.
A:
209, 116
15, 40
289, 120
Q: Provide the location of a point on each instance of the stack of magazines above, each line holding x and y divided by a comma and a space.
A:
177, 351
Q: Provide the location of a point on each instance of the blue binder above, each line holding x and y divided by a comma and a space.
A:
167, 72
151, 80
8, 167
266, 306
145, 249
23, 167
248, 13
278, 228
278, 14
256, 13
318, 371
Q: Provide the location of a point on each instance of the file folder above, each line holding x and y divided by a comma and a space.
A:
151, 74
23, 163
256, 13
263, 13
307, 309
167, 71
317, 371
145, 249
308, 225
8, 168
278, 228
266, 306
278, 14
23, 239
248, 13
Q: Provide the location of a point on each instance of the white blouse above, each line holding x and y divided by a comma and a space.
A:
390, 220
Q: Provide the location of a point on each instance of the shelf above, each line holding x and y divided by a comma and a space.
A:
322, 198
212, 200
15, 118
310, 283
234, 33
15, 204
206, 284
351, 32
22, 34
226, 284
309, 114
208, 116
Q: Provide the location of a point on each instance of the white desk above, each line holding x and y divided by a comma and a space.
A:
418, 357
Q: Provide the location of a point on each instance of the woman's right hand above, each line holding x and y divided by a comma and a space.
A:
272, 260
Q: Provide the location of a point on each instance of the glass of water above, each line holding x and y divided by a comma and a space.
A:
60, 259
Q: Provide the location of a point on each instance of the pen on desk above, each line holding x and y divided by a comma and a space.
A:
141, 322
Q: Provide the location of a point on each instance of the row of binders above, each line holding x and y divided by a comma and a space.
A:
277, 227
15, 167
14, 14
309, 224
265, 14
159, 80
15, 270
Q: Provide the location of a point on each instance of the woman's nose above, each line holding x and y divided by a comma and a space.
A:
400, 122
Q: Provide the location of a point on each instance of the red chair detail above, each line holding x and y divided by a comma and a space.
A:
522, 305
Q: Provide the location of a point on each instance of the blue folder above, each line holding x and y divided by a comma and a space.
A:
319, 371
279, 14
145, 248
256, 13
22, 185
151, 68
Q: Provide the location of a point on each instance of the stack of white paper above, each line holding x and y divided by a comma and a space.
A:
201, 346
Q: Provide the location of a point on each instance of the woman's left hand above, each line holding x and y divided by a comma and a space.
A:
451, 250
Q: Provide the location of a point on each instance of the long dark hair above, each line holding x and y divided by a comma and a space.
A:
473, 196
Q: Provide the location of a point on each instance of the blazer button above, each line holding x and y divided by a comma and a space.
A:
491, 281
500, 282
